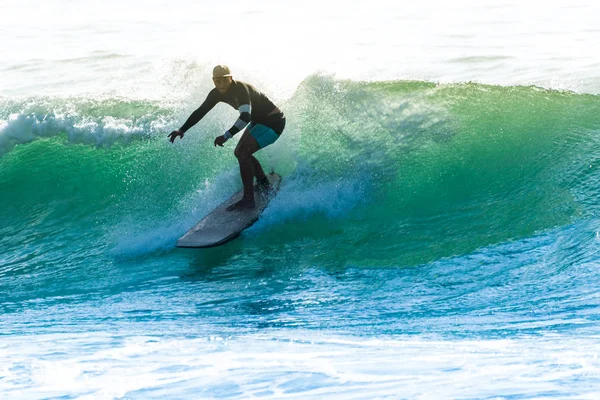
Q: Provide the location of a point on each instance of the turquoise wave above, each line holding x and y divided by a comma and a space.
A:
377, 174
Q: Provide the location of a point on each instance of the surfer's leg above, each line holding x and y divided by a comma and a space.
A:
264, 136
244, 150
259, 174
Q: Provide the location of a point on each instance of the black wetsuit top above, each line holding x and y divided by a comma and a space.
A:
253, 106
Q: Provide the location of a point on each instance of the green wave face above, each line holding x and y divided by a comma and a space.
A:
441, 170
375, 174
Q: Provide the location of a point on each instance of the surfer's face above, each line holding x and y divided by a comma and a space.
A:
222, 84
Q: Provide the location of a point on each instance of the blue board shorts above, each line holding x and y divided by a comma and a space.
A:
263, 134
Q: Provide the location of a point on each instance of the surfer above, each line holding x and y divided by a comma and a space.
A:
266, 125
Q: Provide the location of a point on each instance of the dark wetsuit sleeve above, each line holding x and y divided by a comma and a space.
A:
211, 100
245, 109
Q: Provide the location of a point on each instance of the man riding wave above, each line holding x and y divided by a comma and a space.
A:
264, 123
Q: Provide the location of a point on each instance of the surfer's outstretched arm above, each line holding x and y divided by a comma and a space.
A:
211, 100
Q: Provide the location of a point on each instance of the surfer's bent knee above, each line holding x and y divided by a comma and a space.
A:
239, 153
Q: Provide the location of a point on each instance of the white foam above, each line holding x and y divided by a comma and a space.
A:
20, 128
299, 200
295, 364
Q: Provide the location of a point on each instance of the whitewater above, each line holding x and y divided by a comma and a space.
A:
436, 234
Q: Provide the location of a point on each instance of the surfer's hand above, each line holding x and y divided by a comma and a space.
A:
174, 134
220, 140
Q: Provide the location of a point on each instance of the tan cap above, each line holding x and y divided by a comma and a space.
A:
221, 71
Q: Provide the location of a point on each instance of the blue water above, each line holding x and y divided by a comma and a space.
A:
436, 233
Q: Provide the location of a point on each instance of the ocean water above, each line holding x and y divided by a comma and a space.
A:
436, 235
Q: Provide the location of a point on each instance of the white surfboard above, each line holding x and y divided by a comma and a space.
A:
221, 226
